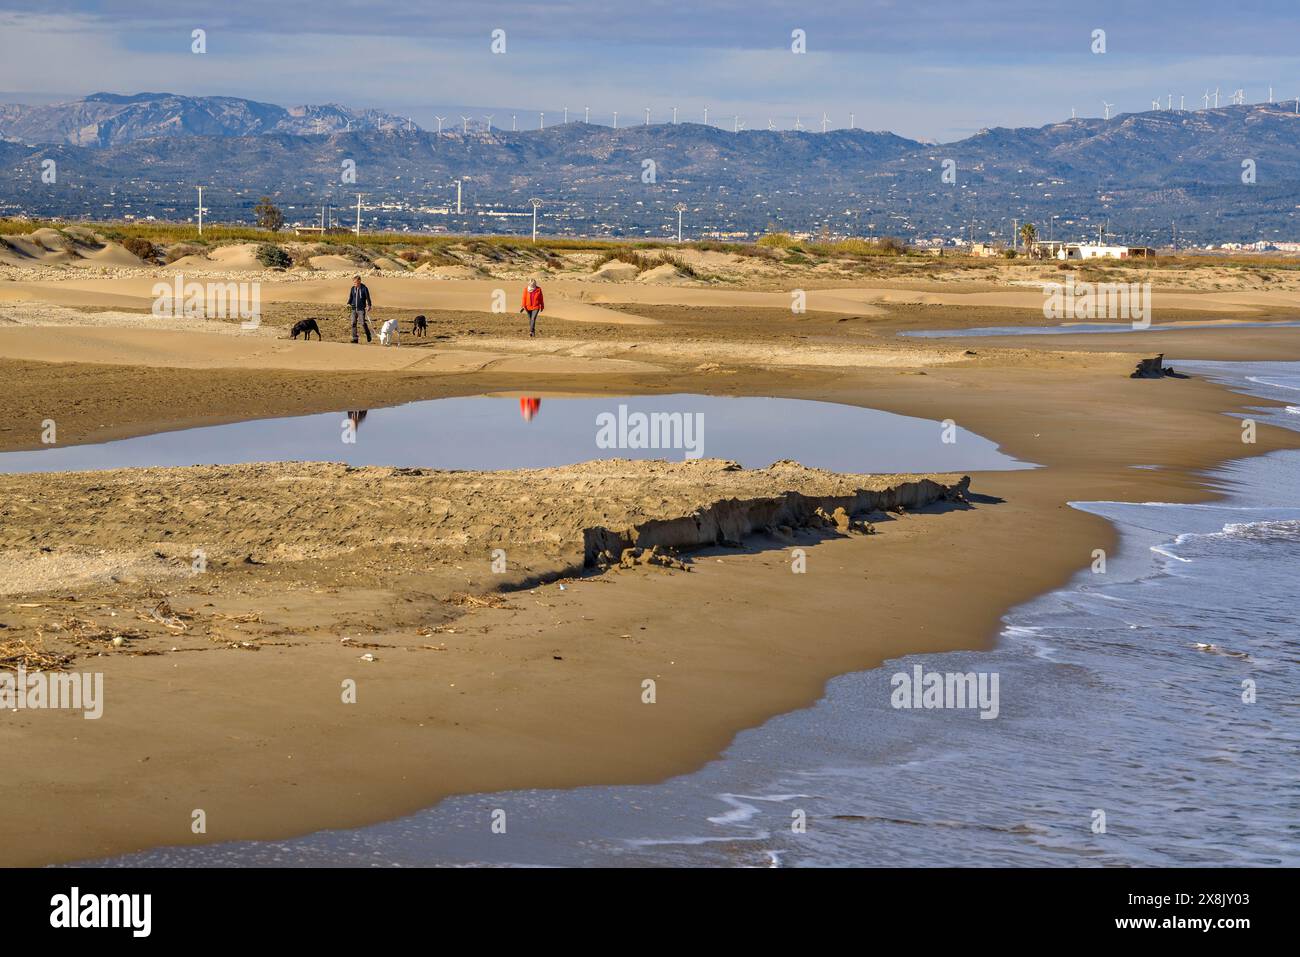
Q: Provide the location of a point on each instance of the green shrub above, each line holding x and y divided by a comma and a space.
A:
273, 257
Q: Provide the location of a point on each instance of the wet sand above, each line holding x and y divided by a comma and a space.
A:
539, 687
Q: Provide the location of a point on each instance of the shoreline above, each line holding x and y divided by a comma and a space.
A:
342, 778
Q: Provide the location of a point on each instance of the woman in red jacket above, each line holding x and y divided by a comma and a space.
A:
533, 304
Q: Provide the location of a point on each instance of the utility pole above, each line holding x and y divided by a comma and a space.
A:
1015, 235
358, 215
200, 210
457, 197
681, 208
536, 203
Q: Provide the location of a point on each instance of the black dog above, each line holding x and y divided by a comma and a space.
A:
420, 326
304, 327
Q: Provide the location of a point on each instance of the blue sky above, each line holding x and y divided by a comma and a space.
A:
931, 69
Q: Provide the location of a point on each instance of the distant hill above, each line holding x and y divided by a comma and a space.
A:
110, 119
1143, 175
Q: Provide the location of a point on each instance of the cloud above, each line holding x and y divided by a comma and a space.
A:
958, 66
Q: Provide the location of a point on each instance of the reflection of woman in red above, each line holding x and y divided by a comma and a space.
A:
529, 406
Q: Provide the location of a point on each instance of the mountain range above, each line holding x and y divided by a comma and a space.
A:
110, 119
1215, 175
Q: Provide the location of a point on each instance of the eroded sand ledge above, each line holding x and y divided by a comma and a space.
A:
733, 520
299, 520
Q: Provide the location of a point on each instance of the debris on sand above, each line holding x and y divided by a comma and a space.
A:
18, 653
1155, 368
632, 557
162, 614
489, 600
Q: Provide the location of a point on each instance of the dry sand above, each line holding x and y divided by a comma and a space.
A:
479, 689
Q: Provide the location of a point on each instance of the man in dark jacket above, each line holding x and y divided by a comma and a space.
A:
359, 303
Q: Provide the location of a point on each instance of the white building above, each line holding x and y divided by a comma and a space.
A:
1095, 251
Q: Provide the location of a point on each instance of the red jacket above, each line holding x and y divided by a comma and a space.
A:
533, 298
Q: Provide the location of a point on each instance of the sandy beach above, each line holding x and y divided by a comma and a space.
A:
223, 693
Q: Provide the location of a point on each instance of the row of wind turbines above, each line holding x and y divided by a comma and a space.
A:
1236, 98
737, 122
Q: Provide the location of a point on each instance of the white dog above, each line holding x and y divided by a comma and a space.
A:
388, 333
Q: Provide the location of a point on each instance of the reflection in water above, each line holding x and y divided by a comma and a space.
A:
474, 433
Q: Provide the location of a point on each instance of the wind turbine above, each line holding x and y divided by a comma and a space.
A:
514, 120
1107, 106
489, 122
798, 122
464, 125
440, 119
1216, 97
1169, 101
616, 119
1155, 104
825, 119
647, 116
770, 124
566, 116
735, 123
852, 125
706, 116
1182, 101
1205, 100
1239, 97
541, 121
674, 116
586, 114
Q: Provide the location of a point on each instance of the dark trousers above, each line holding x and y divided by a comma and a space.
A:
360, 314
532, 321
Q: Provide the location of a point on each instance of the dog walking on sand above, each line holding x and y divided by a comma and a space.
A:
359, 302
533, 305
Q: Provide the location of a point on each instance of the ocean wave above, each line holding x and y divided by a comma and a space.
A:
1260, 380
1285, 530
